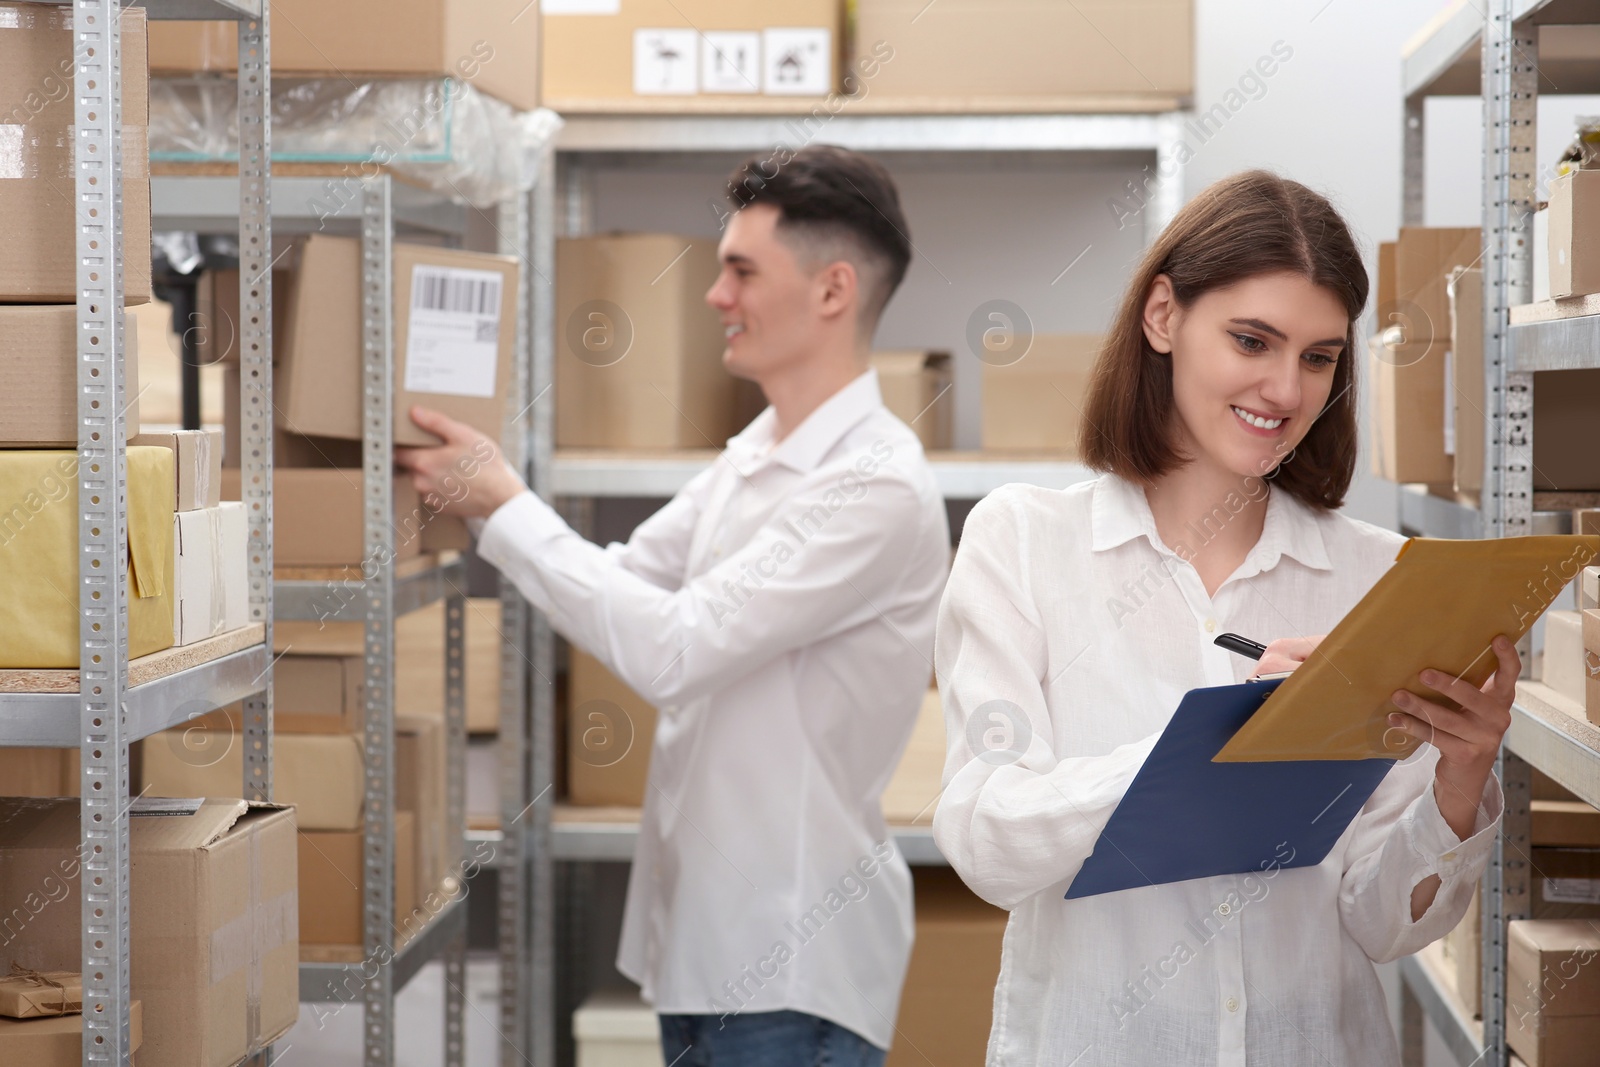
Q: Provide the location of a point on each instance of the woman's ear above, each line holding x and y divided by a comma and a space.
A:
1160, 314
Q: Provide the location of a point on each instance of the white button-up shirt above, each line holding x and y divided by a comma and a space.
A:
1067, 605
779, 611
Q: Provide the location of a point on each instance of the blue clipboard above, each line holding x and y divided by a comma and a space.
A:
1186, 817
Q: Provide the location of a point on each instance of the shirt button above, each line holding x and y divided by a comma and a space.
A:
1232, 1004
1211, 626
1224, 909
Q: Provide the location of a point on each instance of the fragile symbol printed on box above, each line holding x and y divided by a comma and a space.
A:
453, 336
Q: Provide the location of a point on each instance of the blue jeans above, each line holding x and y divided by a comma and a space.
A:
763, 1039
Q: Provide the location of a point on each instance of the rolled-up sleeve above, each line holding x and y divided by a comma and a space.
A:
1399, 840
1013, 819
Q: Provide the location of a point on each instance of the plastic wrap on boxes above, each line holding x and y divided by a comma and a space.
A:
439, 132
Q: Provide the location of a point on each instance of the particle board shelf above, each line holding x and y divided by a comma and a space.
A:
1552, 733
1556, 334
164, 689
335, 972
144, 669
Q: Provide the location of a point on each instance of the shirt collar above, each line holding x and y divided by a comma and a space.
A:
816, 436
1119, 513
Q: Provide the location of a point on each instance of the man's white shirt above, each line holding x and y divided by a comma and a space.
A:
779, 612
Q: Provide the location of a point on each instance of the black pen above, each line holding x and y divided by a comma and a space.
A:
1242, 645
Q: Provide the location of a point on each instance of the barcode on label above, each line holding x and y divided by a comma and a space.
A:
461, 292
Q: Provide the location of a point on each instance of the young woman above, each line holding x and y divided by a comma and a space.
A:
1222, 415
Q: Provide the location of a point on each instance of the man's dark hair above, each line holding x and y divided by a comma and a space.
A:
833, 204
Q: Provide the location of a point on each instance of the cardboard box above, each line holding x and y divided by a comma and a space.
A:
1408, 412
333, 879
39, 772
1574, 221
419, 663
1417, 298
197, 465
948, 1000
419, 787
957, 52
608, 57
454, 339
216, 326
1589, 585
317, 517
1464, 291
638, 350
493, 44
610, 731
612, 1028
212, 918
1563, 653
1566, 883
210, 588
320, 774
38, 994
289, 449
1036, 403
38, 259
314, 693
916, 389
1553, 992
58, 1041
39, 375
1565, 824
39, 556
909, 797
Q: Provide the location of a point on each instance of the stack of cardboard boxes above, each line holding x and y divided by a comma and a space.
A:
1572, 650
822, 56
1565, 883
212, 926
319, 717
454, 335
493, 44
39, 391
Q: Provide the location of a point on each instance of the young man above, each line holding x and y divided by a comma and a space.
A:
779, 611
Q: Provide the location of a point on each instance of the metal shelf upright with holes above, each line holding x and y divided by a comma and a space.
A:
108, 713
563, 204
379, 208
1494, 51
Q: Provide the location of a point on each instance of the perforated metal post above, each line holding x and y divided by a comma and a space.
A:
377, 459
512, 866
541, 769
1510, 85
255, 374
102, 529
1413, 175
455, 726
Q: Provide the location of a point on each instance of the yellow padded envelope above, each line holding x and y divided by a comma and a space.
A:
39, 556
1439, 606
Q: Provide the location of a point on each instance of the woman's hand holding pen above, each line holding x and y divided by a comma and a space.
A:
1467, 737
1285, 654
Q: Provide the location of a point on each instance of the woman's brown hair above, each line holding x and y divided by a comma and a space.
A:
1250, 224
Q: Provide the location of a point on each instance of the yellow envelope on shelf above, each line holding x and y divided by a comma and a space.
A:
39, 556
1439, 606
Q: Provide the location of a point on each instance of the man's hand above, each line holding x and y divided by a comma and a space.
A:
1286, 654
464, 476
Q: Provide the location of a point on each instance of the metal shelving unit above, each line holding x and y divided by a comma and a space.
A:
590, 143
1494, 50
110, 713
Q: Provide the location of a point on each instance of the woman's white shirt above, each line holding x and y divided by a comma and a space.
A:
1066, 608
